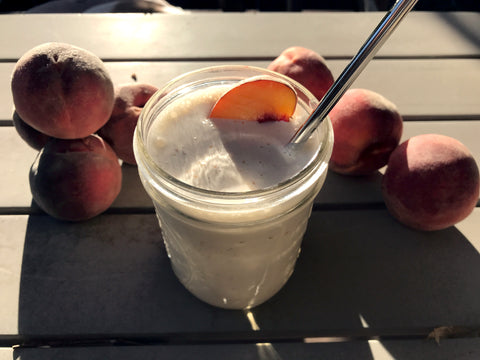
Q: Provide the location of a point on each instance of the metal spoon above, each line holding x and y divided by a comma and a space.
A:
375, 41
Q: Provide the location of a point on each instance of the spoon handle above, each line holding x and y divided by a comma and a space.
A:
368, 50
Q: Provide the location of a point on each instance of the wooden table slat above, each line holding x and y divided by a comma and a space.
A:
338, 189
447, 88
420, 34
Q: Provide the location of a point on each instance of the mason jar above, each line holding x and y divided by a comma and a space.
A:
231, 249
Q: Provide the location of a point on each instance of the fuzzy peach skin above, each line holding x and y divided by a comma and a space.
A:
62, 90
431, 182
367, 127
75, 180
32, 137
306, 67
119, 129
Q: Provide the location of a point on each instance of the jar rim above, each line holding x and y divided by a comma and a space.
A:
157, 173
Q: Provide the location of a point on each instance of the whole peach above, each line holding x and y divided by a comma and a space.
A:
32, 137
367, 128
119, 129
76, 179
305, 66
431, 182
62, 90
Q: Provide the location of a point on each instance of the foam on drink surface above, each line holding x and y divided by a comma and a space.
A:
222, 154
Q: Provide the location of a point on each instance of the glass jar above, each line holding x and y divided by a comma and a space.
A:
231, 249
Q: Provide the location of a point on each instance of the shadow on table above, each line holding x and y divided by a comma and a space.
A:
111, 275
342, 191
89, 280
468, 30
366, 266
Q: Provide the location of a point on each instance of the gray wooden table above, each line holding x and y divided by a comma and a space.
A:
365, 287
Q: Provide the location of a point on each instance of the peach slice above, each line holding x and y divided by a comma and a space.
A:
257, 98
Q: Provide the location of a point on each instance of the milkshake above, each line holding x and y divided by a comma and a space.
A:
233, 200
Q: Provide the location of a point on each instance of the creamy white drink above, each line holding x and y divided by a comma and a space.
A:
232, 199
225, 155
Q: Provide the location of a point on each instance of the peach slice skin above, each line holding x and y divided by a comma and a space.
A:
257, 99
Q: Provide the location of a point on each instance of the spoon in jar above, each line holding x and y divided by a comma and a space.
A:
368, 50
